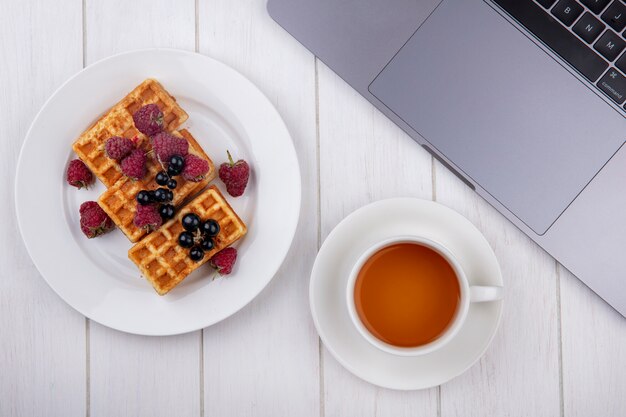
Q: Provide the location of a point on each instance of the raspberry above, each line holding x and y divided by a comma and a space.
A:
148, 217
134, 165
195, 168
234, 175
165, 146
87, 205
117, 147
93, 220
149, 119
224, 260
78, 174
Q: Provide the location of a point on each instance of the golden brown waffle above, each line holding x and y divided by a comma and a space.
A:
118, 121
163, 262
119, 200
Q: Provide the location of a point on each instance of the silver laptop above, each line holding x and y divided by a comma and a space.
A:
523, 100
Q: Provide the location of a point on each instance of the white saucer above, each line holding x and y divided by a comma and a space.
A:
95, 276
378, 221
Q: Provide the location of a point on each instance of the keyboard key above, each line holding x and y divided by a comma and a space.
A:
567, 11
588, 27
621, 63
610, 45
560, 40
615, 15
595, 6
546, 3
614, 85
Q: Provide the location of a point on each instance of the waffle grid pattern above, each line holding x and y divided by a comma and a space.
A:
164, 263
118, 121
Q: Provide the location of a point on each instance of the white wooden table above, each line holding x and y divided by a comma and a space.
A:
560, 350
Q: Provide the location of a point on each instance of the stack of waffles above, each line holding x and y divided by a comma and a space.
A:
157, 255
163, 262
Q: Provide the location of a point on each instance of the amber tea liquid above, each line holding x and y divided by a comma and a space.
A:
406, 294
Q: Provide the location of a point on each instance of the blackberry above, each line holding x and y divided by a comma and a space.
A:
196, 254
191, 222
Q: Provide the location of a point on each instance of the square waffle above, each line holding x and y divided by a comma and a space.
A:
163, 262
118, 201
118, 121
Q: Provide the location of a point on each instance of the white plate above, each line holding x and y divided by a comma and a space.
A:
379, 221
226, 111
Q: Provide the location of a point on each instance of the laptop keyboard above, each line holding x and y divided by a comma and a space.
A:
588, 34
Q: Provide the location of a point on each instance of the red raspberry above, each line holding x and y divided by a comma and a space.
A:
148, 217
93, 220
195, 168
224, 260
78, 174
165, 146
134, 165
87, 205
118, 148
235, 175
149, 119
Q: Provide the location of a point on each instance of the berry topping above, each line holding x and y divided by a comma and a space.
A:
207, 244
165, 146
149, 119
234, 175
162, 178
185, 239
166, 211
195, 168
171, 184
118, 148
148, 217
196, 254
93, 220
78, 174
191, 222
87, 205
161, 195
210, 227
134, 165
177, 162
172, 172
224, 260
144, 197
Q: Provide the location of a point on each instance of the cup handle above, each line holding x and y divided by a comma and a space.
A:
479, 293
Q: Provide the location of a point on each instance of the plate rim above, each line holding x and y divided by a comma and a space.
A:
297, 196
324, 337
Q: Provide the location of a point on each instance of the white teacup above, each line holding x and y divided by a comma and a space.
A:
468, 294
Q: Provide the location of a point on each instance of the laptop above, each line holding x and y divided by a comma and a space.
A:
523, 100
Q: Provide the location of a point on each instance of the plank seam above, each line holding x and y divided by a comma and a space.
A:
433, 177
197, 23
438, 400
201, 372
560, 338
84, 27
87, 368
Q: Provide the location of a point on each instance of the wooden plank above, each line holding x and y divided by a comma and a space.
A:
131, 375
519, 374
594, 352
144, 376
116, 26
364, 157
264, 360
42, 340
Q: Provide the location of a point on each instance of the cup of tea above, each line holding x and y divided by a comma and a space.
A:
409, 295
